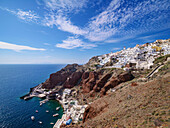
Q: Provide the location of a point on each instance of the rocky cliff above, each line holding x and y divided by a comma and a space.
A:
100, 80
66, 77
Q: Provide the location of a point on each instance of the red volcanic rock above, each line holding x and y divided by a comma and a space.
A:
88, 86
126, 76
89, 82
110, 84
60, 77
85, 75
101, 82
72, 80
93, 75
114, 81
134, 84
94, 109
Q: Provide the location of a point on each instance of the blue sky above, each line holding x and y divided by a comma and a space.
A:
72, 31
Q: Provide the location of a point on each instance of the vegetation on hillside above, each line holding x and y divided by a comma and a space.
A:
161, 59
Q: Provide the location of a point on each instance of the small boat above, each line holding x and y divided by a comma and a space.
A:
47, 111
36, 111
40, 122
55, 114
40, 104
57, 108
32, 118
51, 123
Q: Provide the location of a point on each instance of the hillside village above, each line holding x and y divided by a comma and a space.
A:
139, 57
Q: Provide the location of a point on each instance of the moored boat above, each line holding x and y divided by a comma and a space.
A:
55, 114
57, 108
32, 118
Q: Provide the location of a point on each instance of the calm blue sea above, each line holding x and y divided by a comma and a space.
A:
15, 81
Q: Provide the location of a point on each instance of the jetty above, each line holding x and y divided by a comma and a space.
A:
60, 121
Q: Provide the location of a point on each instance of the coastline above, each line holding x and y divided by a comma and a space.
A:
71, 108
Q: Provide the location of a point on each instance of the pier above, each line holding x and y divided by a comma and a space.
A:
60, 121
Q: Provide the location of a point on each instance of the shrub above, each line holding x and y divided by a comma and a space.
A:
161, 59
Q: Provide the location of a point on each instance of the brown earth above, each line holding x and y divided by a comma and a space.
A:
141, 106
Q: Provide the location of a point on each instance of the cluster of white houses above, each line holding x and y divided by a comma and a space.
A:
71, 107
73, 112
140, 56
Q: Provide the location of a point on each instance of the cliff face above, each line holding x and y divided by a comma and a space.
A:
68, 76
91, 81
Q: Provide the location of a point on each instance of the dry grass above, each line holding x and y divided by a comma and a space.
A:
143, 106
149, 103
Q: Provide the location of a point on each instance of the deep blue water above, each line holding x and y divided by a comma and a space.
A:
15, 81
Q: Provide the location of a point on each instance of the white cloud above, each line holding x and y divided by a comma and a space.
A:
15, 47
29, 15
63, 24
113, 41
65, 5
119, 19
46, 44
72, 43
120, 39
116, 48
58, 15
130, 18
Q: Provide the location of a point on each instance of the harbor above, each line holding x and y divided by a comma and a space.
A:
50, 109
72, 110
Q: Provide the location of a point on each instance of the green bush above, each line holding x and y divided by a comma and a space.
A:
161, 59
165, 67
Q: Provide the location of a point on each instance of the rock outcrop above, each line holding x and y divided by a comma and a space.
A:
100, 84
88, 81
91, 81
126, 76
114, 81
67, 76
72, 80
